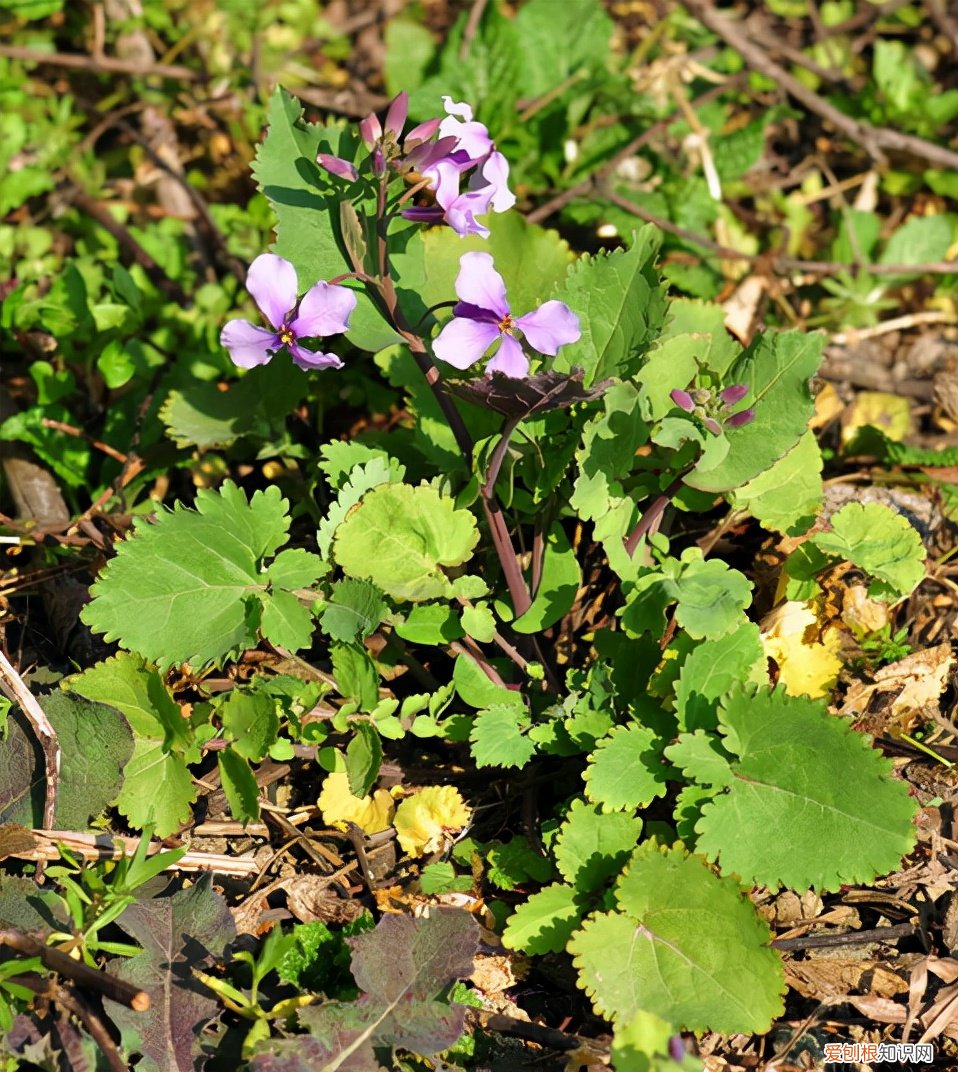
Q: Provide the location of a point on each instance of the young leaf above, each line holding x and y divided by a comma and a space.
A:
498, 740
479, 622
239, 785
157, 788
558, 585
178, 933
364, 755
592, 846
810, 802
354, 610
189, 587
515, 863
400, 537
711, 669
626, 770
544, 922
879, 541
250, 721
690, 948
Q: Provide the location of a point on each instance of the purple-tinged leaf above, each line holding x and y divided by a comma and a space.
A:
178, 933
523, 398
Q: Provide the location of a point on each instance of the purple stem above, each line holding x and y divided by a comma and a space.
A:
653, 514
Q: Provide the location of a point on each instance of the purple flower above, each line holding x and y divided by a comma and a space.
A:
683, 400
324, 310
482, 317
713, 410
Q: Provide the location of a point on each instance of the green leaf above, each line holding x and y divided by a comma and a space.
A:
479, 622
607, 453
918, 241
625, 771
157, 789
296, 568
690, 948
256, 406
364, 756
592, 846
95, 744
285, 621
363, 477
558, 585
710, 671
544, 923
356, 675
354, 610
811, 802
701, 758
239, 785
585, 30
400, 537
786, 498
477, 690
621, 306
250, 721
498, 740
879, 541
430, 623
516, 863
776, 369
188, 587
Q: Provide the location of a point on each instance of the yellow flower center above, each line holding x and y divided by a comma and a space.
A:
506, 325
286, 337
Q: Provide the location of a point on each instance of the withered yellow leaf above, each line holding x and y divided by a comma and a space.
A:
807, 656
424, 822
889, 413
370, 813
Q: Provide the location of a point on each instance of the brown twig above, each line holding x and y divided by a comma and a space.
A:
102, 64
823, 941
78, 433
874, 140
14, 688
109, 986
472, 27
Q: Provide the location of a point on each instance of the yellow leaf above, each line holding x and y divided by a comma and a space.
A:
424, 822
807, 656
889, 413
370, 813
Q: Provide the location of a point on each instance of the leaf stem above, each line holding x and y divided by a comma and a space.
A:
653, 514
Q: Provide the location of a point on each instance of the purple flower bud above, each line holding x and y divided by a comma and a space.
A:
397, 114
738, 419
734, 394
371, 130
712, 425
683, 400
676, 1048
379, 162
335, 165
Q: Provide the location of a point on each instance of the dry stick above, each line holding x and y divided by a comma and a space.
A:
105, 64
78, 433
586, 185
109, 986
874, 140
13, 687
822, 941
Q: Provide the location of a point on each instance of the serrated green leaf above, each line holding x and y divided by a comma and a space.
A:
544, 923
400, 538
364, 756
592, 845
186, 588
250, 721
354, 610
285, 622
777, 370
157, 789
879, 541
626, 770
296, 568
712, 668
363, 477
584, 28
497, 738
701, 758
690, 947
515, 863
786, 497
811, 803
239, 785
621, 307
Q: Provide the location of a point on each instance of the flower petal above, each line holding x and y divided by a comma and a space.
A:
460, 109
371, 130
307, 359
496, 173
552, 325
272, 282
249, 345
421, 133
509, 360
343, 169
462, 342
324, 310
461, 219
397, 114
478, 283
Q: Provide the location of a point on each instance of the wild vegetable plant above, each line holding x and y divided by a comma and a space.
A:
517, 541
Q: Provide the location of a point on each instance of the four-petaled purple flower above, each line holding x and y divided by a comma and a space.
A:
482, 317
324, 310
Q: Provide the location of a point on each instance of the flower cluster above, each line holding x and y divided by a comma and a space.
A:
324, 310
715, 411
464, 150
